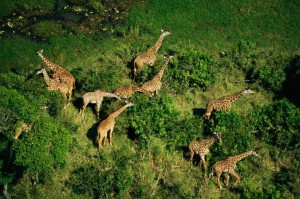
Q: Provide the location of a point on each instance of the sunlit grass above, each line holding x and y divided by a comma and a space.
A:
221, 24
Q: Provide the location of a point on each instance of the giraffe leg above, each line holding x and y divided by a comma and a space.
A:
204, 164
100, 142
191, 155
82, 109
66, 97
104, 140
227, 179
200, 163
98, 109
218, 175
237, 177
69, 97
110, 136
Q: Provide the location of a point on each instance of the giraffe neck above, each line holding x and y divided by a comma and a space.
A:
240, 157
236, 96
210, 141
107, 94
160, 73
118, 112
47, 78
139, 89
47, 62
158, 43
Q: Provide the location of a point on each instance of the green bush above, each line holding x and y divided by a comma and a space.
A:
46, 29
112, 176
264, 67
44, 147
152, 116
237, 133
278, 124
35, 91
190, 70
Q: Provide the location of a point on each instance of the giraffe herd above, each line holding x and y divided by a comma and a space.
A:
64, 82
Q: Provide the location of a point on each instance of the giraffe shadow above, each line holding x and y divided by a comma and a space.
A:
77, 102
92, 133
130, 66
131, 134
199, 111
186, 155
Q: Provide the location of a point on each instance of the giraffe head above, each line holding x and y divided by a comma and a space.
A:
165, 32
129, 103
217, 135
168, 57
248, 91
40, 52
254, 153
43, 70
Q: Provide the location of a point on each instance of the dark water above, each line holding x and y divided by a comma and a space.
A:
76, 18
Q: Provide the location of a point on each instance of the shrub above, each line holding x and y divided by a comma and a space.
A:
112, 176
44, 147
190, 70
46, 29
237, 136
152, 116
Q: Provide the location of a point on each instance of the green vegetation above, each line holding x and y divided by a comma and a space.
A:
218, 49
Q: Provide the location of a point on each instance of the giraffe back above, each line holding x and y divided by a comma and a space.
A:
106, 124
59, 73
128, 91
125, 92
155, 84
202, 146
149, 57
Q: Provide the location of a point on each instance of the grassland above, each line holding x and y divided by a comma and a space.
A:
152, 161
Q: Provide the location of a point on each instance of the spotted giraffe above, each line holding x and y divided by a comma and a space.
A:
108, 125
201, 147
53, 85
128, 91
95, 97
23, 127
149, 56
224, 102
228, 165
155, 84
59, 73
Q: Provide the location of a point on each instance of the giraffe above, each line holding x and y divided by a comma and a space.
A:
149, 56
95, 97
108, 125
52, 84
224, 102
201, 147
24, 127
228, 165
59, 73
127, 91
155, 84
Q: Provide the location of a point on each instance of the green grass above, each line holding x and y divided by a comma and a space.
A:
220, 24
160, 169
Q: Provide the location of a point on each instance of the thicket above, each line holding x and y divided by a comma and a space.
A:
150, 157
44, 147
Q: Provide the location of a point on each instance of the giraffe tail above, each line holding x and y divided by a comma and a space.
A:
211, 173
134, 70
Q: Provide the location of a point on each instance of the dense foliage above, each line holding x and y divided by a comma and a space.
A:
252, 44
